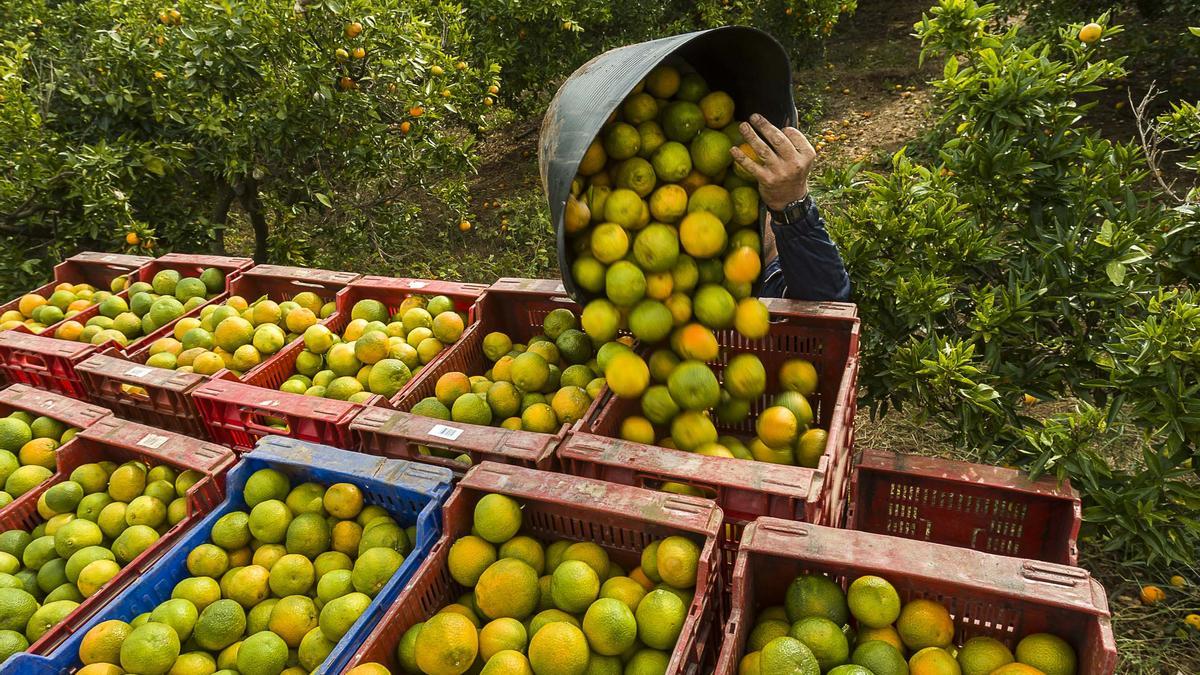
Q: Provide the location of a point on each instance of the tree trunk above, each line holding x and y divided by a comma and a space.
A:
220, 216
258, 220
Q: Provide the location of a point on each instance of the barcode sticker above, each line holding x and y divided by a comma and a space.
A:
417, 284
50, 403
443, 431
139, 371
152, 441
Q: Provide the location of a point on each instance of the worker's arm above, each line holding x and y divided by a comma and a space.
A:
802, 262
808, 266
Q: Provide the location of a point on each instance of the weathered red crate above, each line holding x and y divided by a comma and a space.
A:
825, 334
163, 397
89, 267
40, 403
238, 414
391, 292
69, 411
516, 307
974, 506
988, 595
188, 265
44, 362
49, 363
118, 440
622, 519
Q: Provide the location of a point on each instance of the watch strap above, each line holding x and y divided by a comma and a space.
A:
792, 213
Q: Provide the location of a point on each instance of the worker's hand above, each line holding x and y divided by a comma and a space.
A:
785, 158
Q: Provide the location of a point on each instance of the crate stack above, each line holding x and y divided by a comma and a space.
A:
997, 548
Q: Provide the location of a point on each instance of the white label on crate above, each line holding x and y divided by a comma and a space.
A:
138, 371
443, 431
152, 441
417, 284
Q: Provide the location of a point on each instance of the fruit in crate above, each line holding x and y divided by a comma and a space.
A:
237, 334
277, 585
28, 452
145, 308
378, 352
868, 630
551, 607
538, 386
92, 525
37, 312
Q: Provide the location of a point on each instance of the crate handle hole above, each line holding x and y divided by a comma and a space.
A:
264, 425
130, 391
34, 362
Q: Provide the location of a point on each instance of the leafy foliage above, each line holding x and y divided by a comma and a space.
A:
1006, 269
539, 42
129, 116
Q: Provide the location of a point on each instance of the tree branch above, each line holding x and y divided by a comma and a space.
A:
220, 214
1150, 139
254, 209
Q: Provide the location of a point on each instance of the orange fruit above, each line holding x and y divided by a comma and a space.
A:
777, 427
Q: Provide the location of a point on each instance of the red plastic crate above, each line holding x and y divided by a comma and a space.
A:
824, 333
985, 508
69, 411
237, 415
516, 307
995, 596
39, 403
167, 403
391, 292
118, 440
89, 267
622, 519
187, 265
44, 362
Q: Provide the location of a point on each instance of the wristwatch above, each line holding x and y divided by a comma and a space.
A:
792, 213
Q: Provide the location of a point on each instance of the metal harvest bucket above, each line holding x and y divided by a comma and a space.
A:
745, 62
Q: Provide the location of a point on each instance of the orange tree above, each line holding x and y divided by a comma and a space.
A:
539, 42
134, 115
1016, 262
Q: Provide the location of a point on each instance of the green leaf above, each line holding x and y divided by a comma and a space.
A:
1116, 272
324, 199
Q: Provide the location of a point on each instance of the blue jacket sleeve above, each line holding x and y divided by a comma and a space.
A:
809, 266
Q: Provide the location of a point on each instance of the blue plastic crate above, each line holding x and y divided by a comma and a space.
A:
412, 493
